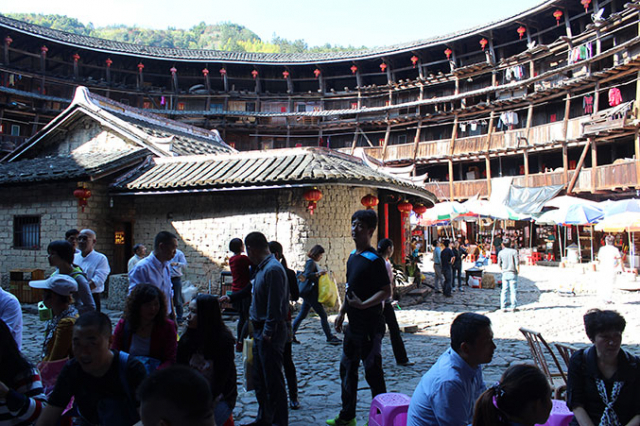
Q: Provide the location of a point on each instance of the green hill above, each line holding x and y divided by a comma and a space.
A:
221, 36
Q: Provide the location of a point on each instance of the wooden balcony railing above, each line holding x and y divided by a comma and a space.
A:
613, 176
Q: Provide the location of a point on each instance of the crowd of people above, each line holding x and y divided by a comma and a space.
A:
142, 371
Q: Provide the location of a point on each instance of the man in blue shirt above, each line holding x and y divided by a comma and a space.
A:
447, 393
268, 313
437, 266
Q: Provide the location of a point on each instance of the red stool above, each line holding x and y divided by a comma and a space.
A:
494, 258
389, 409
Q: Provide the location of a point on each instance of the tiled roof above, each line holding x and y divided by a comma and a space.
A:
109, 46
70, 166
298, 166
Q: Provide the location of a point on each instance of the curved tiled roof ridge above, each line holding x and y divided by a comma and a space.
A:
142, 51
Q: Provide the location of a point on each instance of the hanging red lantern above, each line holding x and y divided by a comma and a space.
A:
76, 58
369, 201
586, 4
317, 72
312, 196
205, 71
254, 73
285, 74
420, 209
82, 194
223, 72
173, 70
140, 67
405, 207
353, 69
557, 14
448, 52
108, 61
44, 50
414, 60
383, 67
521, 30
8, 40
483, 43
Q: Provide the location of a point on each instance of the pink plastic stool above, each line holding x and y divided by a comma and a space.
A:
389, 409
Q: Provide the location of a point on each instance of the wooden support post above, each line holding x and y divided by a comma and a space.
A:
451, 194
454, 135
565, 162
567, 23
636, 113
526, 167
594, 165
574, 178
526, 150
492, 119
596, 98
637, 156
416, 141
487, 162
387, 133
565, 120
355, 139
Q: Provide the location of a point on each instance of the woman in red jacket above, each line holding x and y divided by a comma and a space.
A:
145, 331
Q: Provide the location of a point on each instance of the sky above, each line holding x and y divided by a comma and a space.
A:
338, 22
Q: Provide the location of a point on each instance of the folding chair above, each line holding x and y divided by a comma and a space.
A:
557, 380
565, 352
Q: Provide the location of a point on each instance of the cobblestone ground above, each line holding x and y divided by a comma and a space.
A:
541, 307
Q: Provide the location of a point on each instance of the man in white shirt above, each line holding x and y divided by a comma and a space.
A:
11, 314
94, 264
139, 253
155, 269
177, 264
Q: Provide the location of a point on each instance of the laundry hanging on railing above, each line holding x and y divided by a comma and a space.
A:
514, 73
587, 104
508, 120
579, 53
615, 97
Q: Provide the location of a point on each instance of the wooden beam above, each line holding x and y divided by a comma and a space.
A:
594, 165
451, 194
454, 135
526, 150
355, 139
637, 156
565, 120
565, 162
416, 141
596, 97
574, 178
487, 162
387, 133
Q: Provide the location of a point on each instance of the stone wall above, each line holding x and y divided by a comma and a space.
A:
58, 211
206, 222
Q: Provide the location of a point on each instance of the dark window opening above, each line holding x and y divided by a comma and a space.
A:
26, 232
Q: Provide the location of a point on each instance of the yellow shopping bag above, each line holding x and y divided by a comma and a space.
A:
327, 291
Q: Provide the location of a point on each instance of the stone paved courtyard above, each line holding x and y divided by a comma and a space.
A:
558, 317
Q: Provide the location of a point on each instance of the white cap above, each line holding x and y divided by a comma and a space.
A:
61, 284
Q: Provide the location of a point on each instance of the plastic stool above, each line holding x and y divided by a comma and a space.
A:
389, 409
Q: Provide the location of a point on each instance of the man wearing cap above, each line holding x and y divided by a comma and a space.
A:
94, 264
11, 314
155, 269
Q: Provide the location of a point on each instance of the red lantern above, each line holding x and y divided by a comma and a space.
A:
369, 201
557, 14
483, 43
285, 74
108, 61
521, 30
405, 207
223, 72
205, 72
44, 50
448, 52
420, 209
312, 196
8, 40
76, 58
317, 72
82, 194
414, 60
173, 70
383, 67
353, 69
254, 73
140, 67
586, 4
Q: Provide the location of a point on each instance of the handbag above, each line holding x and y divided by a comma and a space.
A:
305, 285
